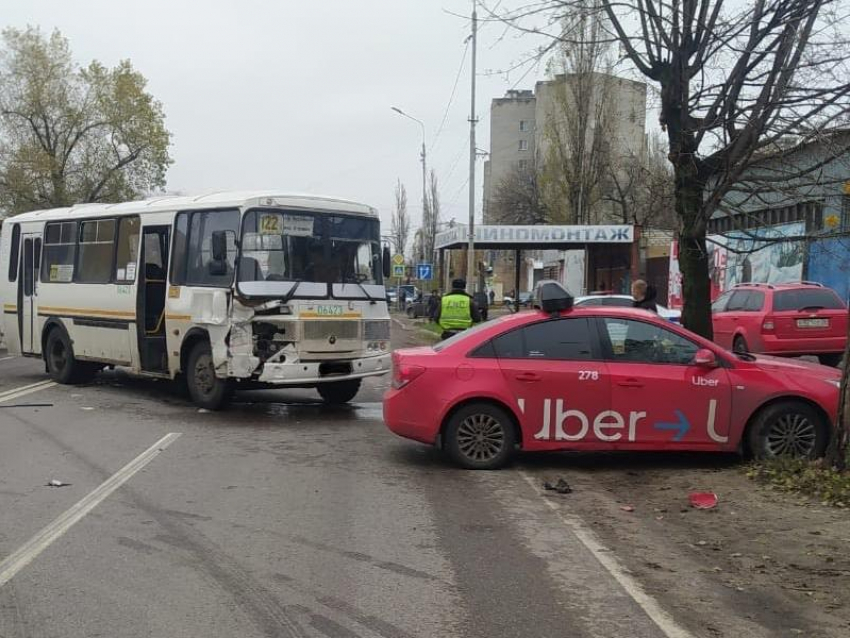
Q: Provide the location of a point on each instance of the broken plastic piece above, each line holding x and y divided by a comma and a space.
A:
627, 508
56, 483
703, 500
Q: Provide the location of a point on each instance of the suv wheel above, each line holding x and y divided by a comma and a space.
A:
739, 344
833, 359
480, 436
788, 429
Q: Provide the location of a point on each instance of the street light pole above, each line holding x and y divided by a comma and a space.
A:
424, 167
470, 250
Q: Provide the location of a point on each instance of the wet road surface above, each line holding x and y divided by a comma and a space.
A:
278, 517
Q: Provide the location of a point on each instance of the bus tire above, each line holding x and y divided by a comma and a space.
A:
62, 365
205, 389
339, 392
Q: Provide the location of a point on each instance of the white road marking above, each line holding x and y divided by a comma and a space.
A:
650, 606
7, 358
400, 324
41, 541
16, 393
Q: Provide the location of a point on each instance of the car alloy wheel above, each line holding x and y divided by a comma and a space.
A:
791, 435
481, 438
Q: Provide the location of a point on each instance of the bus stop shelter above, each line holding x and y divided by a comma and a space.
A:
595, 240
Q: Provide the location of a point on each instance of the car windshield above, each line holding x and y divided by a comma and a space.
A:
806, 298
300, 246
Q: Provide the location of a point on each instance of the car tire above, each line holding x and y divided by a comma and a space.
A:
62, 366
480, 436
339, 392
205, 389
788, 429
833, 359
739, 344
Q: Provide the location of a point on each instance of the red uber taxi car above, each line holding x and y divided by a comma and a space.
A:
782, 319
603, 378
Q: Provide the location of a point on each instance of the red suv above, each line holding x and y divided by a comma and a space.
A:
782, 319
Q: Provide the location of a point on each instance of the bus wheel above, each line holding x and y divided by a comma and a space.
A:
205, 389
62, 366
339, 392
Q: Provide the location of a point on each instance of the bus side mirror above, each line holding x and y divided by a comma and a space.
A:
219, 245
386, 262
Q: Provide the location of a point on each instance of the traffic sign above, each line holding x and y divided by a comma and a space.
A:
398, 260
425, 272
398, 270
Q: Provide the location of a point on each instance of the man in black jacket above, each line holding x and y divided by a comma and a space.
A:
644, 295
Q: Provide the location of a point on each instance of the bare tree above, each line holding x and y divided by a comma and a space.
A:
401, 220
517, 198
641, 189
430, 220
576, 144
734, 79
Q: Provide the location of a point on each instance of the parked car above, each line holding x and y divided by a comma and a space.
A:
525, 299
782, 319
625, 301
392, 295
603, 378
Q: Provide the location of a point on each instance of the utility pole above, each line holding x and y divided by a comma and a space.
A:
425, 229
470, 250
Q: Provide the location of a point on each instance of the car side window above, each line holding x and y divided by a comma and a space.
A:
617, 302
719, 304
559, 339
640, 342
738, 301
755, 301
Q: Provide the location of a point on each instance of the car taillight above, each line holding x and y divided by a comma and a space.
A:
404, 373
767, 325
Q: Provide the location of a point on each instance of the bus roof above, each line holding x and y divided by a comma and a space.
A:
222, 199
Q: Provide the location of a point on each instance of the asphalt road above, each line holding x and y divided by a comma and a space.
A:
279, 517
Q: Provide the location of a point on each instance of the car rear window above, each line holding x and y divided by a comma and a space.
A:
804, 298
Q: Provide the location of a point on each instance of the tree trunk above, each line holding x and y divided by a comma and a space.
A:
693, 256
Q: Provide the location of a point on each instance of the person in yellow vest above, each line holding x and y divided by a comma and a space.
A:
457, 310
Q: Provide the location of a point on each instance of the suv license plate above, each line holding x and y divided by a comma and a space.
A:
813, 323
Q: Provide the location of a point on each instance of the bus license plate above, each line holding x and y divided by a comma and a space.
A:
813, 323
329, 311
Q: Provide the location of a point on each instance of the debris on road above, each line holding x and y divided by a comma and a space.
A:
627, 508
86, 407
57, 483
703, 500
560, 486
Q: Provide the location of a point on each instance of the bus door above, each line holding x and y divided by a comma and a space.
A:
28, 295
150, 303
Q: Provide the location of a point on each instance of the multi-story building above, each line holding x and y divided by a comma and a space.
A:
521, 133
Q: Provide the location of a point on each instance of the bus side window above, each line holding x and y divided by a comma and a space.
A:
97, 245
14, 254
178, 259
127, 253
60, 251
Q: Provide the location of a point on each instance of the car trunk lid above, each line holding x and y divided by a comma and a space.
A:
807, 313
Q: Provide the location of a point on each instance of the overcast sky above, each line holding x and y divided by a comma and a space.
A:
296, 94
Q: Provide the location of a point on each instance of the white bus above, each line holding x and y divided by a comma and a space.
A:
225, 291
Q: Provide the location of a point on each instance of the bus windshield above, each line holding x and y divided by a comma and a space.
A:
309, 247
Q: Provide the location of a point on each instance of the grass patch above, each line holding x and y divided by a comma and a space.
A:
800, 476
430, 326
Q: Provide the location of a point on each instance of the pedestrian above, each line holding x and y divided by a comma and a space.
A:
433, 305
645, 295
457, 310
492, 297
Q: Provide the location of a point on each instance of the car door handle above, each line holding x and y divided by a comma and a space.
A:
527, 377
630, 383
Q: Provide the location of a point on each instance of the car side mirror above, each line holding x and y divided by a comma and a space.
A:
219, 245
386, 262
705, 358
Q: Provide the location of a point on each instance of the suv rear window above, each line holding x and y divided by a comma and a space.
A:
805, 298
